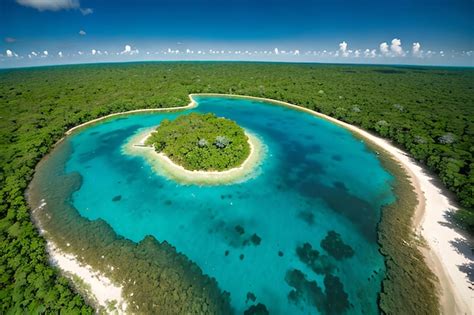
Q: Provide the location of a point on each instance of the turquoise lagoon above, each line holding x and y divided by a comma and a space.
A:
315, 177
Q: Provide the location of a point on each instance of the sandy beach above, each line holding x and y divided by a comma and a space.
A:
444, 256
97, 288
166, 167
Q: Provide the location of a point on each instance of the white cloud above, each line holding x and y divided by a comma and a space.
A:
45, 53
82, 32
55, 5
297, 52
276, 51
357, 53
129, 51
370, 53
396, 47
93, 51
34, 53
384, 48
60, 54
80, 53
86, 11
343, 49
416, 49
9, 53
52, 5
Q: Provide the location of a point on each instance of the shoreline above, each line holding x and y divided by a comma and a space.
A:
164, 166
97, 288
191, 104
428, 220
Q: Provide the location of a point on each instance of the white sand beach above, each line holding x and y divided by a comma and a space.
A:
163, 165
96, 287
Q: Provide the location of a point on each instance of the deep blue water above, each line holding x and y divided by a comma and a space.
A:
316, 177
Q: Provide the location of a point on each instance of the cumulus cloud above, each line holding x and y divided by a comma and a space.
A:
93, 51
394, 50
370, 53
129, 51
357, 53
9, 53
60, 54
82, 32
51, 5
384, 48
396, 47
276, 51
34, 53
45, 53
343, 49
416, 49
297, 52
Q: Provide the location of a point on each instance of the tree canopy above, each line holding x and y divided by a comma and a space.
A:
201, 142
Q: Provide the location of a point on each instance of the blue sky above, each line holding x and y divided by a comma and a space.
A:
41, 32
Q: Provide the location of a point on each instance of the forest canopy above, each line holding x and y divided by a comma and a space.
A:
201, 142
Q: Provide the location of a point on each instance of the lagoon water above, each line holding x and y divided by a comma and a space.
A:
315, 177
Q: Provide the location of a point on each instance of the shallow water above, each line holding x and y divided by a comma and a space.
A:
316, 177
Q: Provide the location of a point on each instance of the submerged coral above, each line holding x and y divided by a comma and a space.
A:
259, 309
333, 301
335, 246
320, 264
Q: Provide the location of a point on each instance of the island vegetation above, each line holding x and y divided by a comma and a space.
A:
426, 111
202, 142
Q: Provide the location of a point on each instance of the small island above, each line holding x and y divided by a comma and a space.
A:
199, 149
202, 142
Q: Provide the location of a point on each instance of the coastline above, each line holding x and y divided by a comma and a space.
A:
97, 288
191, 104
163, 165
429, 219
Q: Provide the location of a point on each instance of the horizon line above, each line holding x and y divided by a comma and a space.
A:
242, 61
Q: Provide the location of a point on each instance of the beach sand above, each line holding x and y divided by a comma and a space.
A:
166, 167
94, 286
430, 220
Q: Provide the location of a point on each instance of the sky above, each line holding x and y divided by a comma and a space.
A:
419, 32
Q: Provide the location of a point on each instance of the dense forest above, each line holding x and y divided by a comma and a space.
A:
201, 142
427, 111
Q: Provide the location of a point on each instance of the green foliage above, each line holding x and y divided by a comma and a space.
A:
432, 121
201, 142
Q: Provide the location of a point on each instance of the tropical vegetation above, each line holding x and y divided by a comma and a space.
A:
201, 142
